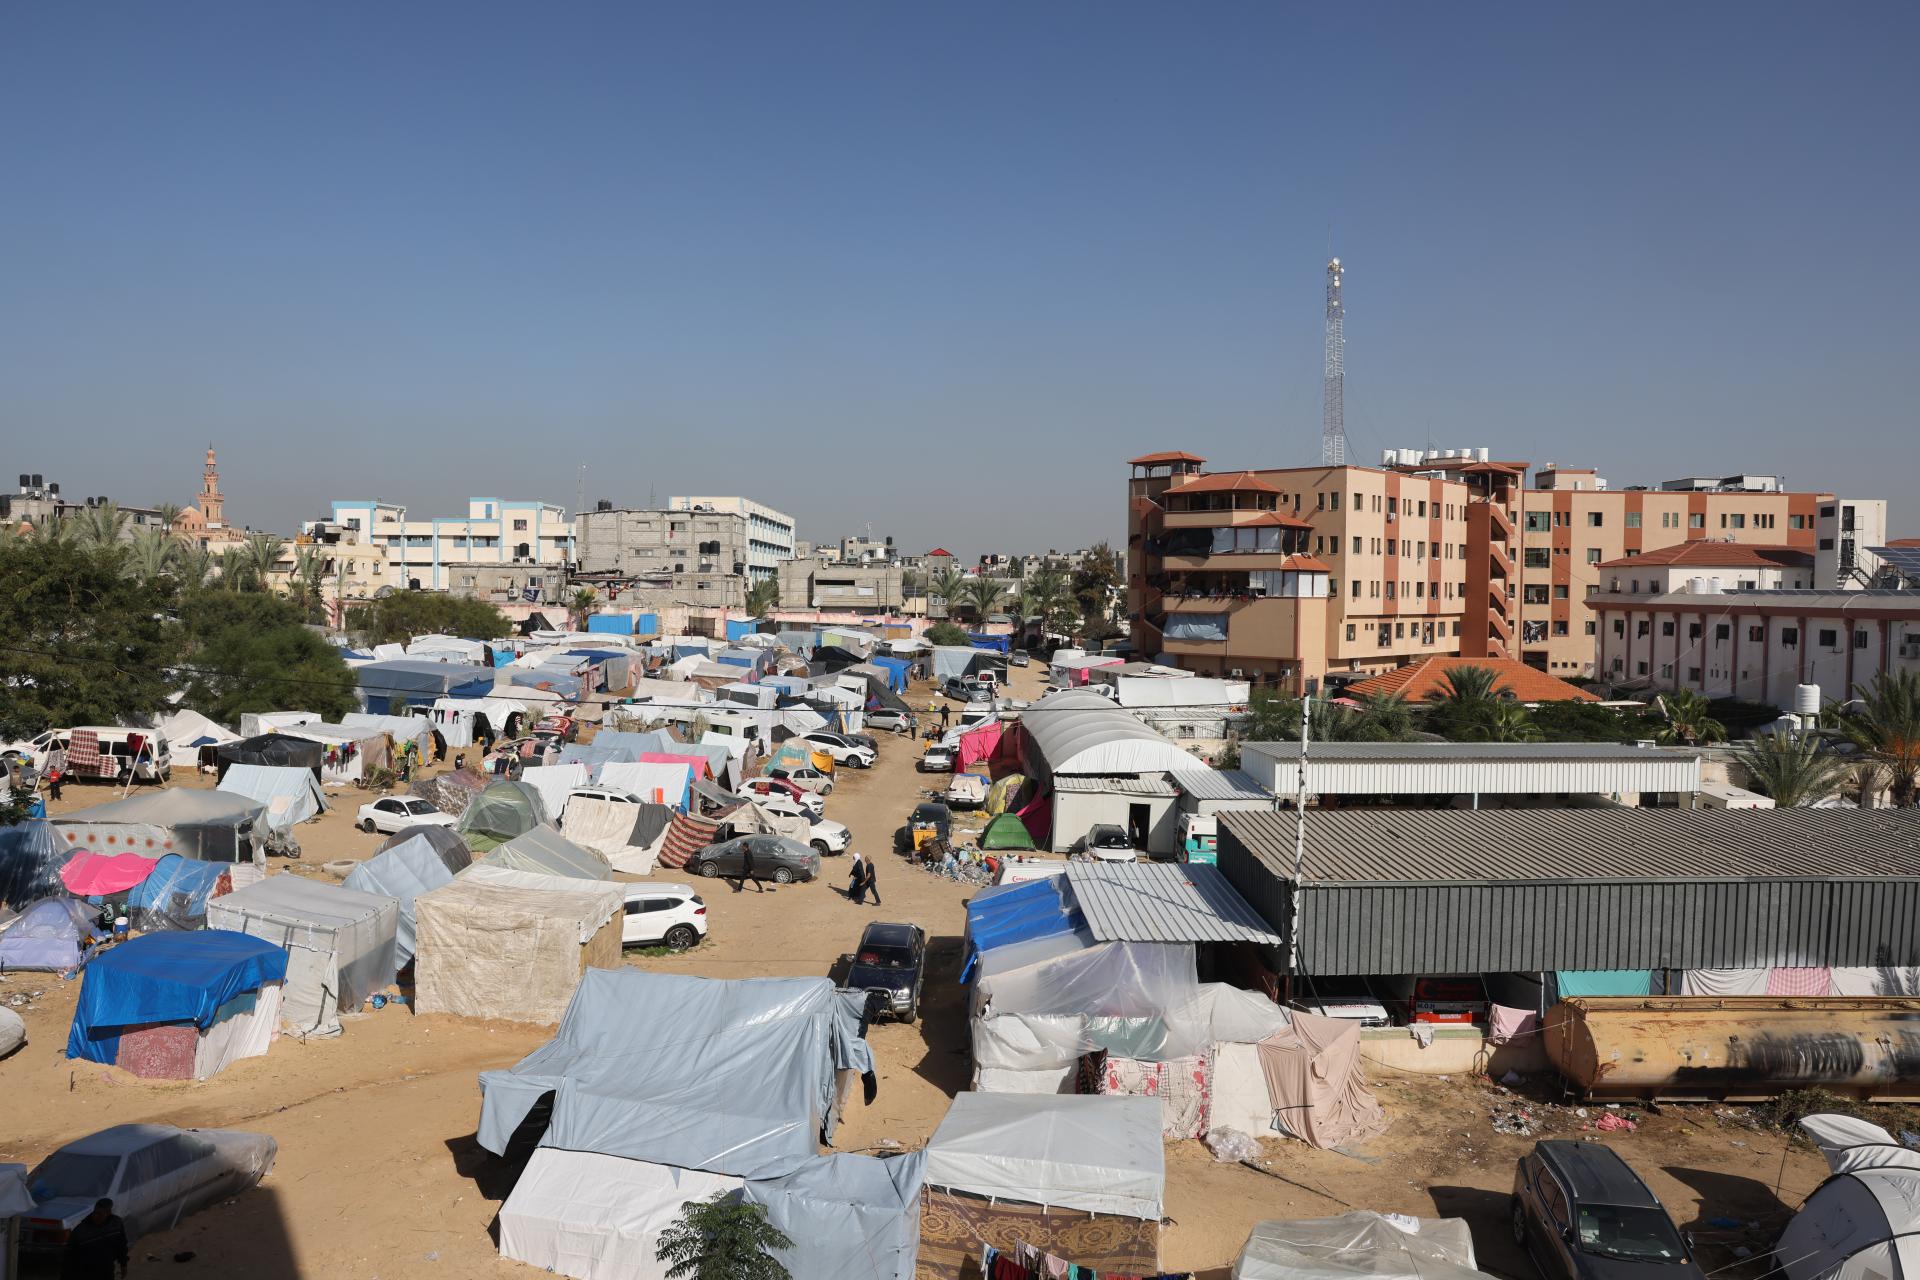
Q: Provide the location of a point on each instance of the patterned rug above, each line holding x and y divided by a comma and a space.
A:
954, 1225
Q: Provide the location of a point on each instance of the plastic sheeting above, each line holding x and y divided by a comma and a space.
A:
166, 977
340, 944
504, 810
51, 934
272, 749
733, 1077
554, 782
595, 1217
291, 794
175, 894
89, 875
1861, 1225
1361, 1245
31, 855
655, 783
852, 1217
498, 943
545, 851
210, 825
402, 873
1095, 1154
612, 828
1604, 982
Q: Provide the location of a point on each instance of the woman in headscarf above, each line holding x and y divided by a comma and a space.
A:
857, 880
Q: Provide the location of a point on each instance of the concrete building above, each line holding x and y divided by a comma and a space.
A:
1473, 774
866, 586
1843, 532
1434, 552
498, 541
769, 533
655, 559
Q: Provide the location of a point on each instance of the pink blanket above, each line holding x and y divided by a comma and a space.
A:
89, 873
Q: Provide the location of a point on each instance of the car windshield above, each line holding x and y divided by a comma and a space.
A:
68, 1173
1639, 1234
1108, 838
420, 807
885, 957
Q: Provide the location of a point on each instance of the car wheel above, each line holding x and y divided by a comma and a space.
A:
1519, 1217
709, 869
783, 875
912, 1013
366, 825
820, 847
680, 937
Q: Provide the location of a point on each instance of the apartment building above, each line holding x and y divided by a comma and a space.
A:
1437, 552
698, 555
497, 541
871, 586
769, 532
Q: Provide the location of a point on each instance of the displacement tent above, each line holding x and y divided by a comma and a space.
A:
291, 795
178, 1006
404, 872
1006, 832
187, 730
213, 826
1357, 1245
386, 687
445, 841
174, 895
654, 783
276, 749
51, 934
554, 782
340, 943
1863, 1222
31, 855
1313, 1077
545, 851
504, 810
498, 943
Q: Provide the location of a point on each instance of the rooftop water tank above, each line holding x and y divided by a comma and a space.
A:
1806, 699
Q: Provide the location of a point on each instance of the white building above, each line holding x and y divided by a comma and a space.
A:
497, 537
1843, 530
769, 532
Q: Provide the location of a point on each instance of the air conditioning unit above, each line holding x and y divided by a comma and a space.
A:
1236, 674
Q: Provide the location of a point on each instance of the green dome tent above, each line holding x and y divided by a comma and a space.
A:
1006, 833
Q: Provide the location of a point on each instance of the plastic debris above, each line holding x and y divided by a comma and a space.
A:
1511, 1078
1611, 1123
1518, 1121
1230, 1146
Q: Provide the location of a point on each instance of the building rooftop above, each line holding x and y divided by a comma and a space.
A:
1854, 603
1163, 902
1225, 482
1417, 680
1161, 459
1474, 752
1119, 785
1220, 784
1717, 555
1563, 846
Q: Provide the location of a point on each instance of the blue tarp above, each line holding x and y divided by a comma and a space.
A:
847, 1215
737, 627
404, 872
174, 894
896, 669
557, 679
167, 977
618, 624
637, 741
999, 644
389, 687
503, 657
595, 754
1017, 914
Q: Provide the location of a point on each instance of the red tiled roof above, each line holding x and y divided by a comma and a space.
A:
1305, 564
1159, 459
941, 551
1225, 482
1717, 555
1272, 518
1904, 542
1418, 679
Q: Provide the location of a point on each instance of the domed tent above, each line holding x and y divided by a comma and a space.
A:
1006, 832
1864, 1220
31, 855
504, 810
445, 841
51, 934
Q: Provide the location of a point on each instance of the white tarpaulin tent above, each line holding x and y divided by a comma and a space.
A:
547, 852
291, 795
211, 826
492, 945
457, 719
598, 1217
255, 723
654, 782
353, 752
414, 729
339, 944
188, 730
1361, 1245
554, 782
1863, 1222
403, 873
1096, 1154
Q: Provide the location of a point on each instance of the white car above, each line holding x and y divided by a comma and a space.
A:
827, 836
1106, 842
155, 1175
762, 789
391, 813
34, 751
842, 751
805, 777
663, 915
614, 794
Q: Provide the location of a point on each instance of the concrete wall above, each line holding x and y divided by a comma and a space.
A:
1074, 812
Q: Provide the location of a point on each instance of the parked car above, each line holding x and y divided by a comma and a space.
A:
890, 721
775, 858
966, 791
35, 751
1584, 1214
1449, 1001
842, 749
1018, 658
668, 915
155, 1175
890, 966
614, 794
804, 776
390, 813
937, 758
767, 787
966, 690
824, 836
1106, 842
929, 821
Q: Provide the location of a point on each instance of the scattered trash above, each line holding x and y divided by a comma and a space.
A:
433, 1256
1231, 1146
1581, 1112
1909, 1138
1518, 1121
1738, 1143
1611, 1123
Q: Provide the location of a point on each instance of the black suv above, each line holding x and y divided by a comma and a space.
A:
890, 967
1584, 1214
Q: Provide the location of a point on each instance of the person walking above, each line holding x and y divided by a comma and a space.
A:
746, 870
857, 880
97, 1248
946, 714
871, 887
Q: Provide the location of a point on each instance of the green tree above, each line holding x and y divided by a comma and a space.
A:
398, 618
249, 651
1885, 724
912, 582
1388, 717
1272, 716
148, 555
1587, 722
982, 596
944, 586
193, 564
81, 642
946, 633
306, 587
722, 1239
762, 597
1095, 580
168, 512
1505, 722
580, 606
101, 526
1688, 720
1794, 771
1468, 686
262, 552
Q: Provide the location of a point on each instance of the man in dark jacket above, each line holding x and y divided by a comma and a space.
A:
97, 1249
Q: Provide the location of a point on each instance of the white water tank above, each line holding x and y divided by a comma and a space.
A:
1699, 586
1806, 699
1482, 454
1387, 456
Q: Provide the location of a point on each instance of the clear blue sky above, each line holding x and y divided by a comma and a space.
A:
943, 267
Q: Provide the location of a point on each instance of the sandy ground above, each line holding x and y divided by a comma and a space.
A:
379, 1176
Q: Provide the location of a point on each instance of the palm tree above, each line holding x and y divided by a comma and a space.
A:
1885, 724
763, 596
236, 570
1505, 722
101, 526
193, 564
148, 555
982, 595
945, 585
168, 513
1793, 770
304, 586
1387, 717
262, 552
581, 605
1468, 686
1688, 722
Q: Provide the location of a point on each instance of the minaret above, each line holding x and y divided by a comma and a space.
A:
210, 499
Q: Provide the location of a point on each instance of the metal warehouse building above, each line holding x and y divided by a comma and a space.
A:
1473, 768
1439, 891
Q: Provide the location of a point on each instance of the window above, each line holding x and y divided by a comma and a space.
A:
1641, 630
1790, 636
1538, 558
1829, 639
1390, 587
1593, 555
1859, 639
1722, 632
1619, 626
1559, 592
1666, 626
1357, 548
1590, 630
1594, 520
1535, 594
1633, 519
522, 550
1423, 508
1827, 510
1826, 544
1559, 628
519, 526
1666, 671
1333, 501
1693, 675
1693, 631
1537, 521
1352, 630
1319, 502
1796, 522
1359, 502
1738, 520
1642, 668
1399, 631
1356, 588
1695, 520
1756, 634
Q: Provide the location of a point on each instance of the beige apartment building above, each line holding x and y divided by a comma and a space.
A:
1431, 553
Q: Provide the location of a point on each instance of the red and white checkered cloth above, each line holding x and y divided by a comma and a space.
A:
83, 756
1799, 982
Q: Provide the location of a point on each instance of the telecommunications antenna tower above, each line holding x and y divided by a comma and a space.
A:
1333, 412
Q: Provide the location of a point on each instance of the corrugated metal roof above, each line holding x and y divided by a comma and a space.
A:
1082, 784
1080, 732
1221, 784
1422, 752
1163, 902
1436, 846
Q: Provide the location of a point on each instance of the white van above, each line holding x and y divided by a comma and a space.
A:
151, 760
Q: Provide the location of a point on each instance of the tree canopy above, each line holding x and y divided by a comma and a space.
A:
398, 618
250, 652
946, 633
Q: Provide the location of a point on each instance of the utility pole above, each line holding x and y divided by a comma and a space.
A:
1299, 852
1333, 385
